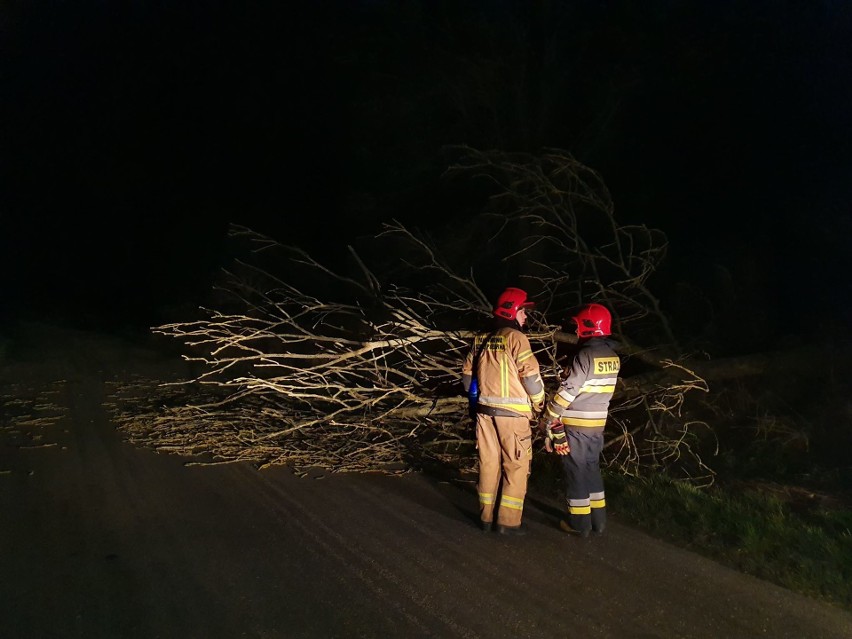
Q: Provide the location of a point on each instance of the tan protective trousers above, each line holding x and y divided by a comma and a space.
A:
505, 453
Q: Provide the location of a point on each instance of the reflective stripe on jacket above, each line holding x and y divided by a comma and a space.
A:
507, 373
582, 401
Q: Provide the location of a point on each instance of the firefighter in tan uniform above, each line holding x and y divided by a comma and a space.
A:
511, 394
575, 417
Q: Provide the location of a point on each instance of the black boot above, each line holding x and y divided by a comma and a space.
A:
512, 530
564, 526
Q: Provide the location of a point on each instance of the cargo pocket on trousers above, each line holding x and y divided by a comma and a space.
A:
523, 447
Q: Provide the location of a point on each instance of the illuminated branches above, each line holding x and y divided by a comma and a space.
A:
356, 366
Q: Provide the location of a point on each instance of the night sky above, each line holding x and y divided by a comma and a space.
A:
134, 132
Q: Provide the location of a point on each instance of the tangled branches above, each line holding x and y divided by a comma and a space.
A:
357, 367
357, 382
558, 218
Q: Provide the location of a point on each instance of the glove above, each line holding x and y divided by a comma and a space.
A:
562, 449
556, 434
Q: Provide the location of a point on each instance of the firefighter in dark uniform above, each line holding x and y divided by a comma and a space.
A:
511, 394
575, 417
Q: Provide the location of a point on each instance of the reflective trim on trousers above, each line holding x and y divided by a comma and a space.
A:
511, 502
583, 480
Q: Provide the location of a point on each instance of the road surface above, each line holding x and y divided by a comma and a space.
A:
103, 539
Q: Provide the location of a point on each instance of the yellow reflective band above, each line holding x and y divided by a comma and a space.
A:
580, 510
583, 423
512, 502
561, 401
598, 503
518, 408
486, 498
597, 389
525, 355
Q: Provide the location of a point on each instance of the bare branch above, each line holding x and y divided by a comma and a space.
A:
359, 369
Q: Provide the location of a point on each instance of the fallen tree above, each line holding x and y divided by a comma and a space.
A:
357, 368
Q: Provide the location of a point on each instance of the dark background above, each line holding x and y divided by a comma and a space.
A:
133, 133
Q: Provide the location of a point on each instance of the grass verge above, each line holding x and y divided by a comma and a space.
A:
808, 552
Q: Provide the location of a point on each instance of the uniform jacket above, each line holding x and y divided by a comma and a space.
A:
507, 373
582, 401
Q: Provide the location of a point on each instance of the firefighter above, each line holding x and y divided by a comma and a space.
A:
575, 417
511, 394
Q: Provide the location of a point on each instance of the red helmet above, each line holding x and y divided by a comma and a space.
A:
593, 320
510, 302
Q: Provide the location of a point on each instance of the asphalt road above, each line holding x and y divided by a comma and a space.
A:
103, 539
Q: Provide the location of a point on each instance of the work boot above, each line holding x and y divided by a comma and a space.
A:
486, 526
512, 530
564, 526
598, 531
